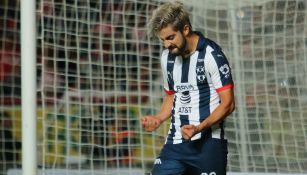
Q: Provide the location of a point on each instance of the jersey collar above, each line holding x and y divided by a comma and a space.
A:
201, 41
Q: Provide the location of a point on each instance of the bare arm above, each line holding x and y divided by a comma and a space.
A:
152, 122
225, 108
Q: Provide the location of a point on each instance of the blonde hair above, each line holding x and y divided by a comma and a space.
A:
171, 13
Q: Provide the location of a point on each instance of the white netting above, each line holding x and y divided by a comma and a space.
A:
266, 45
98, 73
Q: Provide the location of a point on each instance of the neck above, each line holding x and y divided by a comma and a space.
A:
192, 40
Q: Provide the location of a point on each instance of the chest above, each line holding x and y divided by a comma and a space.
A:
187, 74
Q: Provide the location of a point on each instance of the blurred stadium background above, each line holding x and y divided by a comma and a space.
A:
98, 73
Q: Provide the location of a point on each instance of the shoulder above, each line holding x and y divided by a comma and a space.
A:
215, 57
213, 51
204, 43
209, 57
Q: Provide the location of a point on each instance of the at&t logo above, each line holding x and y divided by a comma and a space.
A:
185, 98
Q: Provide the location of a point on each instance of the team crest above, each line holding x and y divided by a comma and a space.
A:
201, 78
200, 71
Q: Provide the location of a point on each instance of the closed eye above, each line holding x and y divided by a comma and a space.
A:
170, 37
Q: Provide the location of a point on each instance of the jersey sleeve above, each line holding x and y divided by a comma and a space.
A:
219, 71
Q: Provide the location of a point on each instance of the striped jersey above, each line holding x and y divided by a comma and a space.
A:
195, 82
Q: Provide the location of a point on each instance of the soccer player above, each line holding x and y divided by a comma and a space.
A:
199, 96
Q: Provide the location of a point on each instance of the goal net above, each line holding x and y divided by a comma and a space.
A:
99, 73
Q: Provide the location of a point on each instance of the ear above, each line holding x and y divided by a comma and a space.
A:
186, 30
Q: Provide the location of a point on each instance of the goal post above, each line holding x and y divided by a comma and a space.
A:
98, 73
28, 83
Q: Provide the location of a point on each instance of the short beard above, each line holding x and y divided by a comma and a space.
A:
181, 48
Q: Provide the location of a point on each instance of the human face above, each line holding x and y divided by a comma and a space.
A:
174, 41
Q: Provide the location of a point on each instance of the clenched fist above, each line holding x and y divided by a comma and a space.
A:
150, 123
188, 131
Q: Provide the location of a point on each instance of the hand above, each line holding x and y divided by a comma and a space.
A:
150, 123
188, 131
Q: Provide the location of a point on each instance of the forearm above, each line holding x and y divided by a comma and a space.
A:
221, 112
225, 108
152, 122
166, 108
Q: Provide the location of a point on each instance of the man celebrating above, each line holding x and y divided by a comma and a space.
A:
199, 95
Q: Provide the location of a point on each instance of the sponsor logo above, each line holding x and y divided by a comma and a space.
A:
225, 70
185, 97
158, 162
184, 87
185, 110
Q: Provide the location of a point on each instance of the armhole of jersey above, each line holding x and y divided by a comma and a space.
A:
224, 87
169, 92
